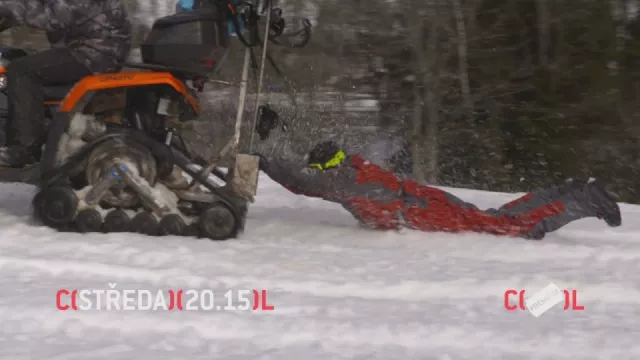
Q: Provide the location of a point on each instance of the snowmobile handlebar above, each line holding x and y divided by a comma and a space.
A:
296, 39
277, 35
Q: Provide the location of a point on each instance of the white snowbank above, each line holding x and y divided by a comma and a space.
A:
340, 292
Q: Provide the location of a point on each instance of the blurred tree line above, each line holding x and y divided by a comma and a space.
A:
499, 94
496, 94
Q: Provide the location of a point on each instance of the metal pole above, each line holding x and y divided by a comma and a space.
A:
235, 140
261, 76
243, 94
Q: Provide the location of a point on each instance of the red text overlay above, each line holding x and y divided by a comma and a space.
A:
162, 300
517, 299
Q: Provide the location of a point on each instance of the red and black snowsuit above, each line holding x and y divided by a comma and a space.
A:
380, 199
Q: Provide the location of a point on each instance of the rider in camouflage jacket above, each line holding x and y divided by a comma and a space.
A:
98, 32
86, 37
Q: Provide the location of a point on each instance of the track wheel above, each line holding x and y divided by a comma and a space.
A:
219, 222
192, 230
172, 224
88, 220
37, 205
116, 221
56, 206
144, 223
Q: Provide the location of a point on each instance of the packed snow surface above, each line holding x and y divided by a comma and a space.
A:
339, 291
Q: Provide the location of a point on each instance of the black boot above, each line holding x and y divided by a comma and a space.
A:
537, 233
18, 156
604, 203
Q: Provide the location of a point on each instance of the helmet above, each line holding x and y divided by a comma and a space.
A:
326, 155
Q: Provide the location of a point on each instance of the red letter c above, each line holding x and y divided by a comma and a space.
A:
521, 300
59, 299
507, 305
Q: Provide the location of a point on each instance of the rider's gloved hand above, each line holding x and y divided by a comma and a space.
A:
263, 160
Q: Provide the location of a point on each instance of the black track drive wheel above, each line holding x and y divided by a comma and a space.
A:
116, 221
192, 230
56, 206
144, 223
37, 205
88, 220
219, 222
172, 224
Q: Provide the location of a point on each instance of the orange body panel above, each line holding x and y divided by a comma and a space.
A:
118, 80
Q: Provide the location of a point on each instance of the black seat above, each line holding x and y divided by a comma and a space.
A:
202, 14
56, 92
154, 67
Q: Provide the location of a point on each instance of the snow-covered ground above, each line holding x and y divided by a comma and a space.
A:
340, 292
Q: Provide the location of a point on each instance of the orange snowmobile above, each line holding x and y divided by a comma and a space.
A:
114, 160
